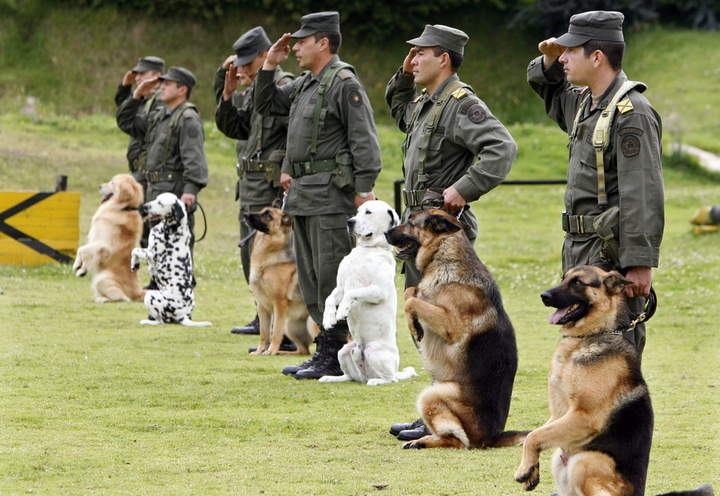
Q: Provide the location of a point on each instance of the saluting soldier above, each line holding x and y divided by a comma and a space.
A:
614, 207
261, 148
175, 139
332, 161
455, 149
146, 68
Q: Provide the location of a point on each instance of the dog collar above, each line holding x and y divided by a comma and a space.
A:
128, 209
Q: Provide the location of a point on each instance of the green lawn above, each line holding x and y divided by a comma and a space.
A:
93, 403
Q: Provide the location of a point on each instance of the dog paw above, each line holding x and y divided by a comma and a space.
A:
80, 272
417, 444
529, 477
343, 310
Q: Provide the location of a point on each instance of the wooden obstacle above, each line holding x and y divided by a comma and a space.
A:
39, 227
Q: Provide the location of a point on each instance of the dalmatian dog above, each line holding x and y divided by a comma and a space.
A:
170, 263
365, 295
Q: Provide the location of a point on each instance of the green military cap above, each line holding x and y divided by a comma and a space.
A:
318, 22
602, 25
250, 45
149, 64
180, 75
442, 36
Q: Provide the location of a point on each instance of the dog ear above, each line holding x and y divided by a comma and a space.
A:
441, 224
394, 219
276, 203
178, 212
285, 220
615, 282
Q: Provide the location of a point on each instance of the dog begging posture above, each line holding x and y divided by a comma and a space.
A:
601, 418
115, 230
467, 340
170, 263
274, 284
365, 296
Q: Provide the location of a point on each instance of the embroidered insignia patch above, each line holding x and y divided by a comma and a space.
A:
630, 145
193, 132
624, 106
355, 98
476, 114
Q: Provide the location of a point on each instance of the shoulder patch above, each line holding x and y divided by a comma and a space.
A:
193, 132
464, 106
355, 98
630, 145
476, 114
624, 105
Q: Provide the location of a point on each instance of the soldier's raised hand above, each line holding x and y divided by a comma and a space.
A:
229, 60
278, 53
128, 78
146, 88
231, 82
407, 63
550, 50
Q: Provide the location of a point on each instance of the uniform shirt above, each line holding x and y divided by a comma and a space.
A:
135, 144
470, 149
348, 134
183, 155
633, 170
262, 138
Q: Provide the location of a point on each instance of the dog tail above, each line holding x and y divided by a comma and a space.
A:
506, 438
191, 323
406, 373
704, 490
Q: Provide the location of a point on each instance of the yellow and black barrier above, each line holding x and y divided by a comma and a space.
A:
37, 228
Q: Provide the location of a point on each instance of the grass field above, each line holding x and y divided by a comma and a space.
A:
92, 403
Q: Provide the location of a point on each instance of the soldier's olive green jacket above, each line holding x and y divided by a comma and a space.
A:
261, 138
175, 161
135, 144
347, 136
470, 149
633, 169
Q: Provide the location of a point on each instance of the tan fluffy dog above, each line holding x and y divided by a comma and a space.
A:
274, 284
115, 230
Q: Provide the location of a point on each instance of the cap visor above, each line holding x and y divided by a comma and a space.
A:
303, 32
245, 59
139, 68
421, 42
571, 40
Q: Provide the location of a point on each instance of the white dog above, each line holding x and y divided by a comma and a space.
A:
365, 296
170, 262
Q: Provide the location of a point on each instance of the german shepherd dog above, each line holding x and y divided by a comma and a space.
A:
467, 340
274, 284
601, 418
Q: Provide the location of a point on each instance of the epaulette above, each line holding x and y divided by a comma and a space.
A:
345, 74
459, 93
624, 105
422, 94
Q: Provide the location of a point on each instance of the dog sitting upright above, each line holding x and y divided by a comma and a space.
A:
274, 284
365, 296
170, 263
467, 340
601, 418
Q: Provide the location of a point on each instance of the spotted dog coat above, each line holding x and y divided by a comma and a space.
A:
170, 263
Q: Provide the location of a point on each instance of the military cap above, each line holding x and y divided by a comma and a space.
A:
149, 64
602, 25
318, 22
250, 45
442, 36
180, 75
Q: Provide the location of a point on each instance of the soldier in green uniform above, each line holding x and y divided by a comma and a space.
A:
454, 146
146, 68
262, 138
614, 208
174, 136
332, 161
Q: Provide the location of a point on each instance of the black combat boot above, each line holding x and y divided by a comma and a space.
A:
396, 429
286, 345
328, 363
252, 327
319, 344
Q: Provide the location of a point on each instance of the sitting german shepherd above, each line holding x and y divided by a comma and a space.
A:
601, 418
274, 284
467, 340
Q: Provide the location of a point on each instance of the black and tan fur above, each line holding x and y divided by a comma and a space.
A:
468, 342
274, 284
601, 418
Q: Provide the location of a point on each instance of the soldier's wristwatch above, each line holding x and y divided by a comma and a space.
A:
364, 195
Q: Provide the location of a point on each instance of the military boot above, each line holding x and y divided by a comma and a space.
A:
319, 345
252, 327
328, 363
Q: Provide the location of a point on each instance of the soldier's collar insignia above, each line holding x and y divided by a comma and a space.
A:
624, 105
459, 93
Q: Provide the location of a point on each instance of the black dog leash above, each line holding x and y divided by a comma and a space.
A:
202, 210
